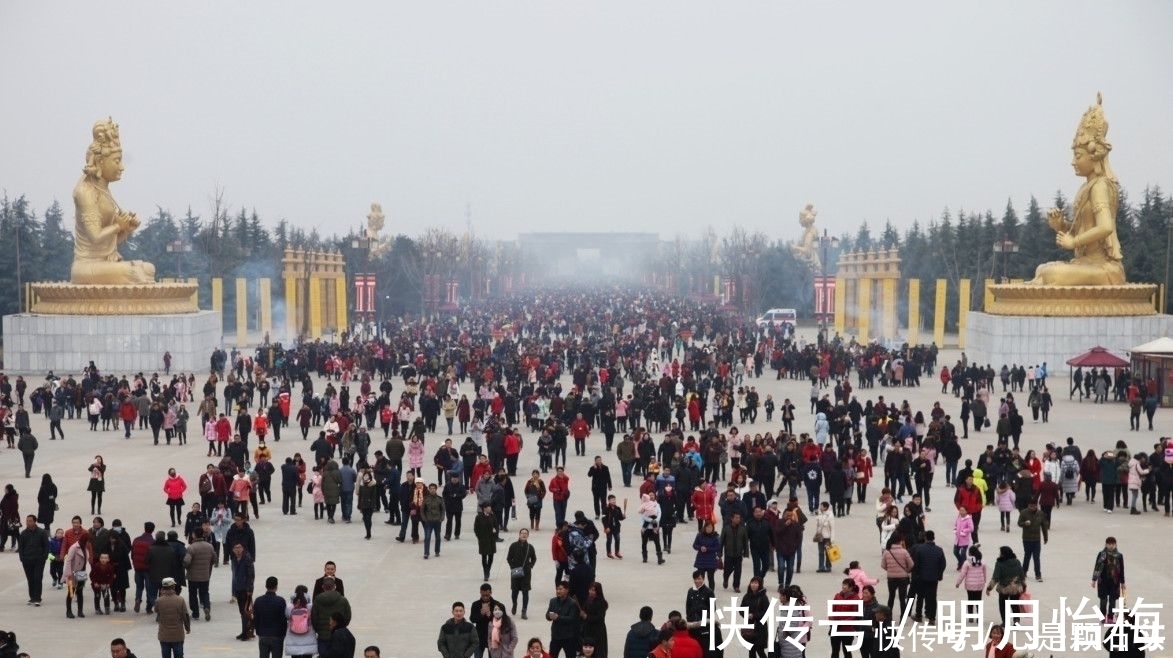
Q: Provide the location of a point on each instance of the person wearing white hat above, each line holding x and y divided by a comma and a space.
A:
173, 618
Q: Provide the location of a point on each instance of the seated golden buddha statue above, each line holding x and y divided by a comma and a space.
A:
100, 224
1091, 233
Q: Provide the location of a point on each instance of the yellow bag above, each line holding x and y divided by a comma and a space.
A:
833, 553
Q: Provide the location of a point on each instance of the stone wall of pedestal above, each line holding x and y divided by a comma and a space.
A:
35, 344
1012, 339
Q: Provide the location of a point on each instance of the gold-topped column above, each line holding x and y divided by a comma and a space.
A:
241, 311
963, 300
940, 310
888, 307
265, 292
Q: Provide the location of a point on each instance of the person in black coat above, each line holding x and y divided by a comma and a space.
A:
290, 480
46, 501
642, 637
928, 569
342, 642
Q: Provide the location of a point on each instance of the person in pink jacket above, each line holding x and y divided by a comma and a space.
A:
174, 487
1004, 498
962, 535
856, 573
972, 575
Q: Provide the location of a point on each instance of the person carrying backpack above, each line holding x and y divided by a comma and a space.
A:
300, 640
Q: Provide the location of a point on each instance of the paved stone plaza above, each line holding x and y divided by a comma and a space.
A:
400, 600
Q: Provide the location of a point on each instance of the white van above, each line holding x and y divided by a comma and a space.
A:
777, 317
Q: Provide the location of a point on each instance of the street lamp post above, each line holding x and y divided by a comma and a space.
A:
1005, 247
826, 242
179, 247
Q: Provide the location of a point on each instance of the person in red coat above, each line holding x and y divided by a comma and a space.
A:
704, 500
684, 644
580, 431
841, 609
223, 434
992, 650
863, 474
481, 469
128, 414
970, 497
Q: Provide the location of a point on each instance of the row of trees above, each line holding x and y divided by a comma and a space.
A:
957, 245
228, 243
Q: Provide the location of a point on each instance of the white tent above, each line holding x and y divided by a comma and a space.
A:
1158, 346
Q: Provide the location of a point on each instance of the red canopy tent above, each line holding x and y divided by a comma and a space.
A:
1097, 357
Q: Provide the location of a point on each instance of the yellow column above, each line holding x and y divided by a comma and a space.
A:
340, 303
988, 295
265, 292
291, 307
851, 304
864, 309
315, 294
840, 305
241, 311
717, 285
888, 307
913, 311
218, 296
939, 310
962, 311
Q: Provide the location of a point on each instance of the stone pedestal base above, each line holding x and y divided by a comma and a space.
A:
35, 344
60, 298
1023, 299
1024, 340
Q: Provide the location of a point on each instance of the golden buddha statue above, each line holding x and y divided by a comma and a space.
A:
100, 224
1091, 233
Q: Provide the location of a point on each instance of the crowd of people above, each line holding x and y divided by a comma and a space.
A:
666, 389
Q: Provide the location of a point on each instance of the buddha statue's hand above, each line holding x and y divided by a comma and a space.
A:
1057, 220
1065, 240
128, 222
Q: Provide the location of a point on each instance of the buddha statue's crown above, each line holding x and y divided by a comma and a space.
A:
105, 143
1092, 132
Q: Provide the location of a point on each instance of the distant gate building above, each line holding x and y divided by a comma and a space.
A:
589, 254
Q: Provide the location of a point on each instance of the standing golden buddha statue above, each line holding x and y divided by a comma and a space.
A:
1091, 233
100, 224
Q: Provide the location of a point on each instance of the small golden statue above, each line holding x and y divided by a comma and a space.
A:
101, 224
806, 251
1091, 233
375, 221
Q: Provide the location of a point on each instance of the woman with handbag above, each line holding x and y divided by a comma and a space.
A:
76, 563
97, 485
1008, 579
824, 535
521, 558
535, 494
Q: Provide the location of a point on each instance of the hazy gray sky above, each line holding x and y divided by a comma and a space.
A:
650, 115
